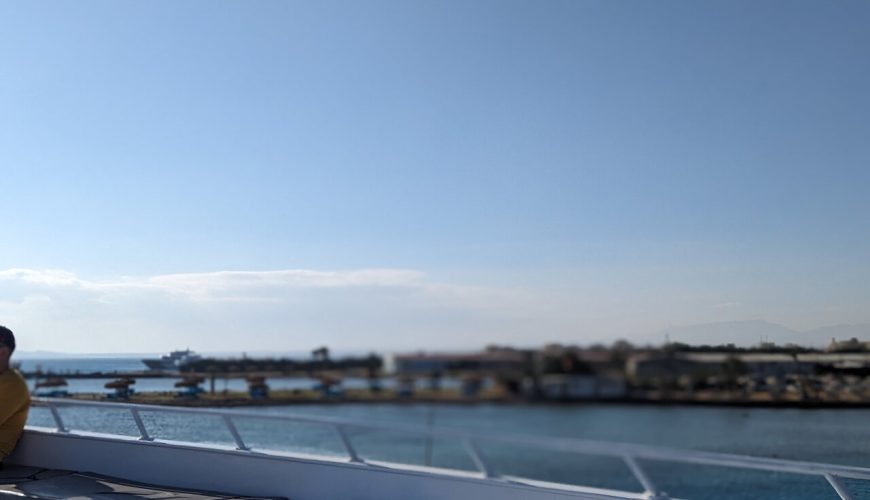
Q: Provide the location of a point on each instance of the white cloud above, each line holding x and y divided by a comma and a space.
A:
205, 284
361, 309
48, 277
243, 283
278, 309
726, 305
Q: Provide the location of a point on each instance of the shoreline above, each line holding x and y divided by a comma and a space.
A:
243, 402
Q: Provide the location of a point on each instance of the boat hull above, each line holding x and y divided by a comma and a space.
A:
158, 365
252, 474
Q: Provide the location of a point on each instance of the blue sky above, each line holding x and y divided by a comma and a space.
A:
531, 171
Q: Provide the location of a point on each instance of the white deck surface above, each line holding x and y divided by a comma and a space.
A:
18, 481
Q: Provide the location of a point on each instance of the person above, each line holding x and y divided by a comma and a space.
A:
14, 397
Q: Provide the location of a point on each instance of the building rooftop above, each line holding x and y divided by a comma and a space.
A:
514, 356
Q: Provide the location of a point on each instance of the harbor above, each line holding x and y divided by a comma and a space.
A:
765, 376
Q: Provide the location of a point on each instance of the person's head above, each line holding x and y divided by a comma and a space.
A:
7, 346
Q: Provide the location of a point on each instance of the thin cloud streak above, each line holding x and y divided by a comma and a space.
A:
282, 308
247, 286
362, 309
220, 283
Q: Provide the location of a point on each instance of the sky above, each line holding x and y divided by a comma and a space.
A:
409, 175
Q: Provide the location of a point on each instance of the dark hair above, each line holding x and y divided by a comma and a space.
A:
7, 338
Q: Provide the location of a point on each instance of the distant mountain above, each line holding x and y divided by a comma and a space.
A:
748, 333
742, 333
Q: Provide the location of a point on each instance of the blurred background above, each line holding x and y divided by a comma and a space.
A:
619, 221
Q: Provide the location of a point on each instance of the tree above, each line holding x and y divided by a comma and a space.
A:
321, 354
732, 369
620, 350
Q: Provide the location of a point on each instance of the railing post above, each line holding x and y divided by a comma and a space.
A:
632, 455
56, 416
839, 487
477, 457
348, 446
231, 426
648, 486
143, 433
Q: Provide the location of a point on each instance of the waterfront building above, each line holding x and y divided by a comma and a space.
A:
851, 345
491, 361
558, 386
758, 365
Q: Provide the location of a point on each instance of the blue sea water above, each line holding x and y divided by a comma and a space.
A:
820, 435
84, 365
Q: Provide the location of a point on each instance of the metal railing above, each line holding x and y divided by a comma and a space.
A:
630, 454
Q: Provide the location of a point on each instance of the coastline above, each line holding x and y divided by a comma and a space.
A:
241, 400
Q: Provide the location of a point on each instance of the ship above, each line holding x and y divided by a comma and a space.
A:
173, 361
58, 460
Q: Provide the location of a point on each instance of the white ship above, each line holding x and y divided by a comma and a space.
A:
140, 466
173, 361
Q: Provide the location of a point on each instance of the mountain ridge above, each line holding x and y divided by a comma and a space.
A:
752, 332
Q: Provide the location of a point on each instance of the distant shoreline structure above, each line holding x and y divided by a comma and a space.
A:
766, 375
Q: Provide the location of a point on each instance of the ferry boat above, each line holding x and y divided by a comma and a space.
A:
110, 464
173, 361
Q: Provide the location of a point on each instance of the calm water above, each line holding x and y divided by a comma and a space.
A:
72, 365
833, 436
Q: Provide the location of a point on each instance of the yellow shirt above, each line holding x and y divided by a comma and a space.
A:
14, 403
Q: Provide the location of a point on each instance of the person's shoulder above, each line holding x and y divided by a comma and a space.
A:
13, 382
19, 377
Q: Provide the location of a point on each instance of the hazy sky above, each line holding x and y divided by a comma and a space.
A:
409, 174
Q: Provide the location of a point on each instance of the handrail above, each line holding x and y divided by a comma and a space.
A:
629, 453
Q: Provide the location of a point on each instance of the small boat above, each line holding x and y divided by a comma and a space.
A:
52, 382
52, 387
121, 388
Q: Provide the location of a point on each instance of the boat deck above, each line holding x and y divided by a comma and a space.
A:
33, 482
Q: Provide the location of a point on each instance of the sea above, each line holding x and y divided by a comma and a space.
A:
838, 436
